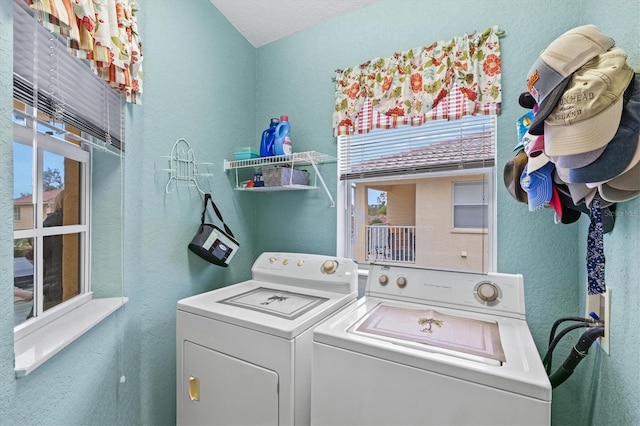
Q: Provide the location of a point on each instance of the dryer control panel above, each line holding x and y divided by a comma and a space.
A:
307, 270
496, 293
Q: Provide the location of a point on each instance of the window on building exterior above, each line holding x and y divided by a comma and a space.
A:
420, 195
470, 209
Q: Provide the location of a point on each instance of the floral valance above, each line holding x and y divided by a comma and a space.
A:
409, 85
104, 32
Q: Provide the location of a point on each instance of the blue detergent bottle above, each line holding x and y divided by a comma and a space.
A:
282, 141
268, 136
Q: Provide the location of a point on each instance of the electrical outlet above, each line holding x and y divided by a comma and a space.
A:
601, 305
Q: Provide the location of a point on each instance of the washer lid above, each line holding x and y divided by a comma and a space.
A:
280, 303
281, 310
521, 373
428, 326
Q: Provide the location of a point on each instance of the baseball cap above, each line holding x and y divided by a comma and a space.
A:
622, 177
580, 193
511, 175
589, 111
614, 195
533, 145
629, 180
522, 125
575, 161
620, 151
552, 71
563, 212
537, 162
538, 185
526, 100
571, 212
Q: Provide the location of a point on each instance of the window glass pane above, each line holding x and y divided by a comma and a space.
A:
22, 279
470, 217
61, 268
469, 192
61, 185
23, 208
409, 220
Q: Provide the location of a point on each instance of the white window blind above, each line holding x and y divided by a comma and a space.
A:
435, 146
46, 76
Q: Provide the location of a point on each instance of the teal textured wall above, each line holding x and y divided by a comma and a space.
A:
614, 384
205, 83
200, 86
294, 78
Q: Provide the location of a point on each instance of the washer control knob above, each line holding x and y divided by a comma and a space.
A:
488, 292
272, 260
401, 282
285, 262
329, 266
383, 280
300, 262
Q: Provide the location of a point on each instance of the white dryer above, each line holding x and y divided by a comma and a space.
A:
244, 351
429, 347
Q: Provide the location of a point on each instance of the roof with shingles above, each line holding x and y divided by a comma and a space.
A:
436, 154
47, 197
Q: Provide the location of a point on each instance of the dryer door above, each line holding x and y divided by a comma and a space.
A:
222, 390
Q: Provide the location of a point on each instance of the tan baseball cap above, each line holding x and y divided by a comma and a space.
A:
588, 114
551, 72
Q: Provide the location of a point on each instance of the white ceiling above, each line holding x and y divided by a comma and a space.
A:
264, 21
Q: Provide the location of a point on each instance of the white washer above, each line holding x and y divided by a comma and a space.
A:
430, 347
244, 351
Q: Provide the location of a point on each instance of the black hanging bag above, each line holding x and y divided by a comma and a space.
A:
212, 243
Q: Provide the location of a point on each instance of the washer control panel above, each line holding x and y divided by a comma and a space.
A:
493, 292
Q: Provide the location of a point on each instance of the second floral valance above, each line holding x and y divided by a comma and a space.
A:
408, 85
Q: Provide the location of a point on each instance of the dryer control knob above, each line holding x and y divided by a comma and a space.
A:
329, 266
285, 262
488, 292
401, 282
300, 262
383, 280
272, 260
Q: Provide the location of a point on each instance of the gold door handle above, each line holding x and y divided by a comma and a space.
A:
194, 388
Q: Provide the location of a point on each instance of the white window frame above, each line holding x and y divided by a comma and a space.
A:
39, 141
45, 71
345, 202
455, 184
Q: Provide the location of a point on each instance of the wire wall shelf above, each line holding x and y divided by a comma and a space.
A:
297, 159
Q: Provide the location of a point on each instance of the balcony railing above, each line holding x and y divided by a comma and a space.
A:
391, 243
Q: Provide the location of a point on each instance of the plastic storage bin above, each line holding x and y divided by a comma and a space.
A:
245, 153
282, 176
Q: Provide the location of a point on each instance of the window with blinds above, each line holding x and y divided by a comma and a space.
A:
68, 176
47, 77
421, 195
440, 145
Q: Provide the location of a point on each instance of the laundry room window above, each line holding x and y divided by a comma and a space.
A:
422, 195
68, 191
411, 127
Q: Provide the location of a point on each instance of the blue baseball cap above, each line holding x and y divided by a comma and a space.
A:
538, 185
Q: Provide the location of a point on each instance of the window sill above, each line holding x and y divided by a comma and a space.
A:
36, 348
469, 231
